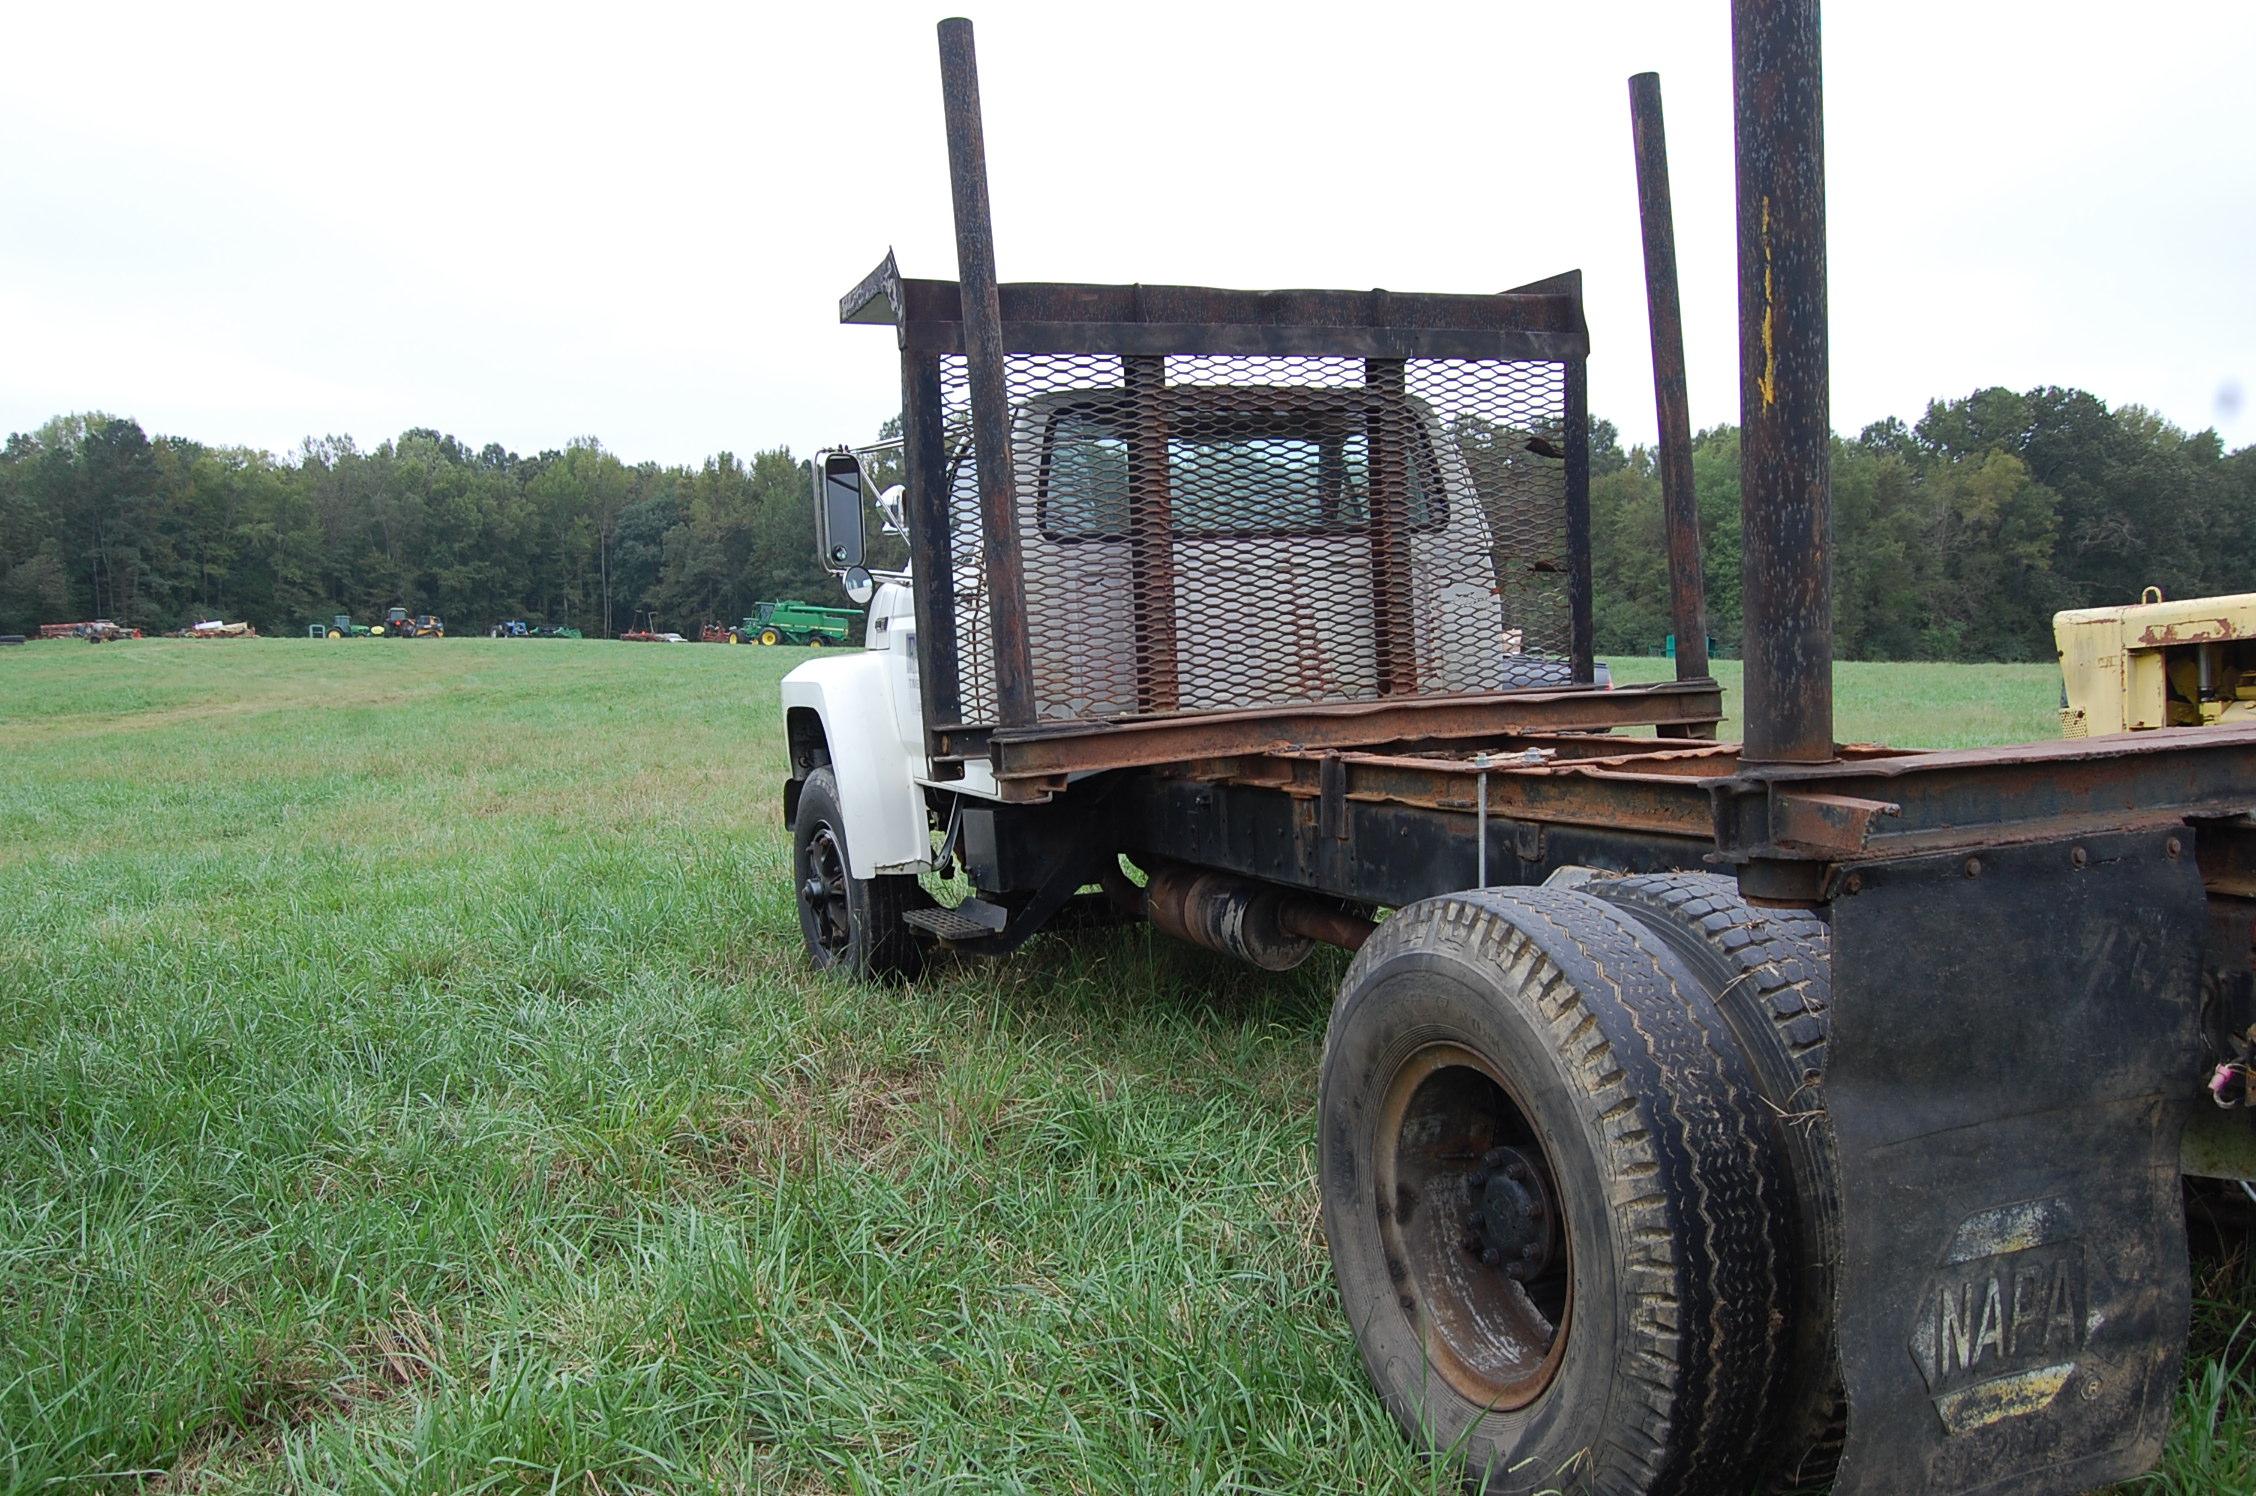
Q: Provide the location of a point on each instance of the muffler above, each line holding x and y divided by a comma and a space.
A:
1258, 923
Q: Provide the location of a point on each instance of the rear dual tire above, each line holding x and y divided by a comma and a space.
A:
1554, 1031
1771, 971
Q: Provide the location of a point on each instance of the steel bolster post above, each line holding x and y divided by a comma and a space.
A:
1152, 534
1582, 646
1785, 443
1688, 587
1392, 626
931, 549
983, 358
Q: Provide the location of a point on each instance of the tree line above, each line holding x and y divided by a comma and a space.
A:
1956, 538
99, 520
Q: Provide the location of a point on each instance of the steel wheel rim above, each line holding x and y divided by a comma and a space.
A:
822, 893
1496, 1341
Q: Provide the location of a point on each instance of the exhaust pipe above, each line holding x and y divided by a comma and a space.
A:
1262, 925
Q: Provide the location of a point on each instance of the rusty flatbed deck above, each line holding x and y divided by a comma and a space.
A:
1792, 831
1037, 759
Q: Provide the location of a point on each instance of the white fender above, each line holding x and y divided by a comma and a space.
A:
849, 693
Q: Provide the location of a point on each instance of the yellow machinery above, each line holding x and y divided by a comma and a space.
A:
2157, 664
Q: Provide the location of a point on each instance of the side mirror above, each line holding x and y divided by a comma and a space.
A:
860, 585
838, 509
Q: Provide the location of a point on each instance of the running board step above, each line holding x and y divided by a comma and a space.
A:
973, 919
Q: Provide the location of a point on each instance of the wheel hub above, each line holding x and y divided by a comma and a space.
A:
1513, 1219
1486, 1272
822, 891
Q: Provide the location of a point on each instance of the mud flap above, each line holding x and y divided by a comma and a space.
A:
2013, 1048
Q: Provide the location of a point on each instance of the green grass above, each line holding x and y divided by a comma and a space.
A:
409, 1082
1911, 706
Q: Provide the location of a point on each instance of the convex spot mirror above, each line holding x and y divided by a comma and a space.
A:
838, 509
860, 585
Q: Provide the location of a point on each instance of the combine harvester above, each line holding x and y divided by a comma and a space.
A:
790, 622
1694, 1115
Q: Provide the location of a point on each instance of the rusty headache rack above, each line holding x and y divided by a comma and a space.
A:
1286, 595
1218, 504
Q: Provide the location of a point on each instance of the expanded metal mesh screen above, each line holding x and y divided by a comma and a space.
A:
1213, 533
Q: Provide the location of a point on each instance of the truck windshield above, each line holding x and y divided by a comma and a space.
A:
1229, 473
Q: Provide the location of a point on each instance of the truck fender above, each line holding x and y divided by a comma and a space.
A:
838, 710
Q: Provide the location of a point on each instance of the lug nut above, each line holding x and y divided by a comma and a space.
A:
1477, 1219
1477, 1178
1492, 1257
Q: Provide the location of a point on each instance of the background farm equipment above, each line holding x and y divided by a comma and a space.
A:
794, 622
517, 628
646, 631
213, 628
401, 624
92, 630
2157, 663
342, 627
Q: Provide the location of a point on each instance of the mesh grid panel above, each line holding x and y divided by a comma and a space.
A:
1214, 533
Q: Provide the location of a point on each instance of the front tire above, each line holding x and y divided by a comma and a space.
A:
1557, 1215
855, 924
770, 637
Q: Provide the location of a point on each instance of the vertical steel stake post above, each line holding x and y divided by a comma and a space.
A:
983, 358
1785, 442
1680, 512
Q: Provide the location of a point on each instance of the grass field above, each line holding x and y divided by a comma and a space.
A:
409, 1082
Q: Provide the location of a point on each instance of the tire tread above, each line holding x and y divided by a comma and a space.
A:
1699, 1191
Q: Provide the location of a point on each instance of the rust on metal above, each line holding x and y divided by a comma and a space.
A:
1314, 920
1258, 923
1393, 632
1151, 534
925, 506
2195, 631
1542, 321
1785, 441
1837, 825
1978, 798
1582, 616
1070, 748
1680, 513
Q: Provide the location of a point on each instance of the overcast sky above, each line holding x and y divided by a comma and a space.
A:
252, 224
